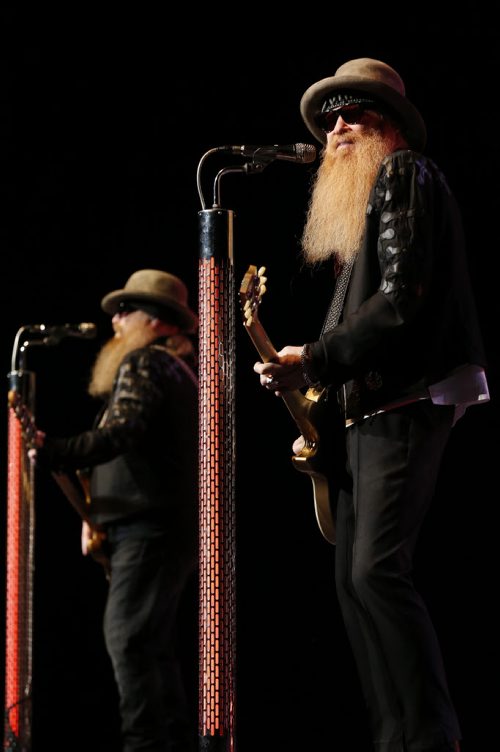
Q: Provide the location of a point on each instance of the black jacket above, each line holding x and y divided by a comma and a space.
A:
409, 316
143, 451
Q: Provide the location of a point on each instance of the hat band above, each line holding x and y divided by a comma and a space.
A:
155, 310
341, 99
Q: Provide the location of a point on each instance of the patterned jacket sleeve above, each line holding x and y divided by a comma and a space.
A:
138, 393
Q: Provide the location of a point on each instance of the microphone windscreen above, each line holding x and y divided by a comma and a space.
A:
306, 152
88, 330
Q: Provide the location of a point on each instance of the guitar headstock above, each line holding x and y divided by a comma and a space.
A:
252, 289
24, 416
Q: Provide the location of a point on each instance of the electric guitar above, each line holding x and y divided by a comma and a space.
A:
306, 409
76, 491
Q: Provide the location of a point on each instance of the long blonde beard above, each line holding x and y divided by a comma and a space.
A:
110, 357
336, 214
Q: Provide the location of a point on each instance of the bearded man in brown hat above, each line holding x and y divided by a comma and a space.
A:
142, 459
401, 352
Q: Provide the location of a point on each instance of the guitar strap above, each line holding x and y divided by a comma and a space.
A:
333, 315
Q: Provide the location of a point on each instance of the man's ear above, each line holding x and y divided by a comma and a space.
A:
156, 325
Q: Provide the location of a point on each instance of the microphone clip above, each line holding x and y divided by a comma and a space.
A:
251, 168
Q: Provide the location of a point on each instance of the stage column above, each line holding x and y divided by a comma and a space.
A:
217, 611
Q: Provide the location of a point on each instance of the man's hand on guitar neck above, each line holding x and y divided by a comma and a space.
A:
35, 441
283, 374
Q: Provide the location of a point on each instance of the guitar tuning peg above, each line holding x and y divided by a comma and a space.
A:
261, 271
262, 288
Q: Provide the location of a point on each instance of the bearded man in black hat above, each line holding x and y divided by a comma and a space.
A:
401, 352
142, 459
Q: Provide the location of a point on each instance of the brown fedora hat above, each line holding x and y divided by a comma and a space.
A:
155, 288
372, 78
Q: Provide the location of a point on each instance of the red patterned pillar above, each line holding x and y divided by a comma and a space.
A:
217, 611
19, 585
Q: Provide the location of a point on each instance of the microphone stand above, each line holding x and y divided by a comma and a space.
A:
217, 518
217, 442
20, 544
20, 553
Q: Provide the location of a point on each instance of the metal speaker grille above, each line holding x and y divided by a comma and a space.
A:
217, 617
19, 591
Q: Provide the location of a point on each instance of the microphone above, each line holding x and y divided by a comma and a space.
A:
54, 334
299, 153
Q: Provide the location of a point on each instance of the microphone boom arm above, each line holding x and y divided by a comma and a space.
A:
261, 156
248, 167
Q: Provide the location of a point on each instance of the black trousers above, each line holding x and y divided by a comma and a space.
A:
393, 461
140, 623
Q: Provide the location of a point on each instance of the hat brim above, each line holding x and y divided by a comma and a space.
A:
185, 317
404, 111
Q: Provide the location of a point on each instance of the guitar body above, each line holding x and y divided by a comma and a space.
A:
312, 461
308, 410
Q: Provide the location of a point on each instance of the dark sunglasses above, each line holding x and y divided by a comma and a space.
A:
350, 114
125, 308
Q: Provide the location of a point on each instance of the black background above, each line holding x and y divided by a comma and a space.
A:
104, 117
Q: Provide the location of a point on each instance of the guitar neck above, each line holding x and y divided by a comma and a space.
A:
297, 404
75, 493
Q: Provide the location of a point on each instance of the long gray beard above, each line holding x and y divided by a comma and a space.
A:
336, 217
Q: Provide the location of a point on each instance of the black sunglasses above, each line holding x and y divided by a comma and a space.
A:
350, 114
125, 308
